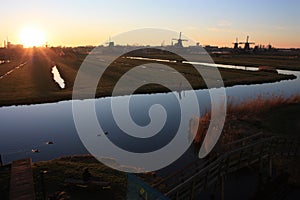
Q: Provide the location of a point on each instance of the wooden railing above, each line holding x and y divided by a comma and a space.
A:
257, 149
183, 173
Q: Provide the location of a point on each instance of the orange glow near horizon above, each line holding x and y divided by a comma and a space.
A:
32, 36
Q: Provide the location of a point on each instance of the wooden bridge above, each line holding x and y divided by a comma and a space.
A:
258, 149
21, 182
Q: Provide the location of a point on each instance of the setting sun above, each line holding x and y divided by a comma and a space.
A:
31, 36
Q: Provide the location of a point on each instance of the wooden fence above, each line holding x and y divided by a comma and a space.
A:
257, 149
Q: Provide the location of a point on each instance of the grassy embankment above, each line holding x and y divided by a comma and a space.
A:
278, 61
72, 167
33, 82
276, 115
60, 169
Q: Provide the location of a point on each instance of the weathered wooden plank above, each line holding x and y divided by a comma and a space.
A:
21, 182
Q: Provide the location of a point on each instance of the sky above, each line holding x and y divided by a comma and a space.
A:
210, 22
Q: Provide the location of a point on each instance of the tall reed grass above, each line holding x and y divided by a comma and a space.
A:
241, 118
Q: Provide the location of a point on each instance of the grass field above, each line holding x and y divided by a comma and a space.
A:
33, 83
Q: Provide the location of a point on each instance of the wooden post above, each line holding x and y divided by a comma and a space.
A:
222, 187
270, 166
261, 159
43, 185
193, 190
260, 181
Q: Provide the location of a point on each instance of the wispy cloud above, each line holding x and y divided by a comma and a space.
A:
224, 23
192, 28
223, 26
279, 27
217, 29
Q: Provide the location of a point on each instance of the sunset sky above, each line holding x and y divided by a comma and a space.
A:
215, 22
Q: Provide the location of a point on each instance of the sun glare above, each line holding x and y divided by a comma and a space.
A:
31, 36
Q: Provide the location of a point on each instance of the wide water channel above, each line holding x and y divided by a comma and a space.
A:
29, 127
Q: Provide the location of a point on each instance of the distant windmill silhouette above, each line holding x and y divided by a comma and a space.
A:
110, 43
247, 43
236, 44
179, 41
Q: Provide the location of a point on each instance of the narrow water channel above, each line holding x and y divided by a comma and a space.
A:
57, 78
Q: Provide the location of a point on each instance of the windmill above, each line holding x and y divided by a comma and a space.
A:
110, 43
247, 43
179, 41
236, 44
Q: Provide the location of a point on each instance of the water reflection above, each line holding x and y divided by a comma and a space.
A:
198, 63
57, 78
139, 106
223, 66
